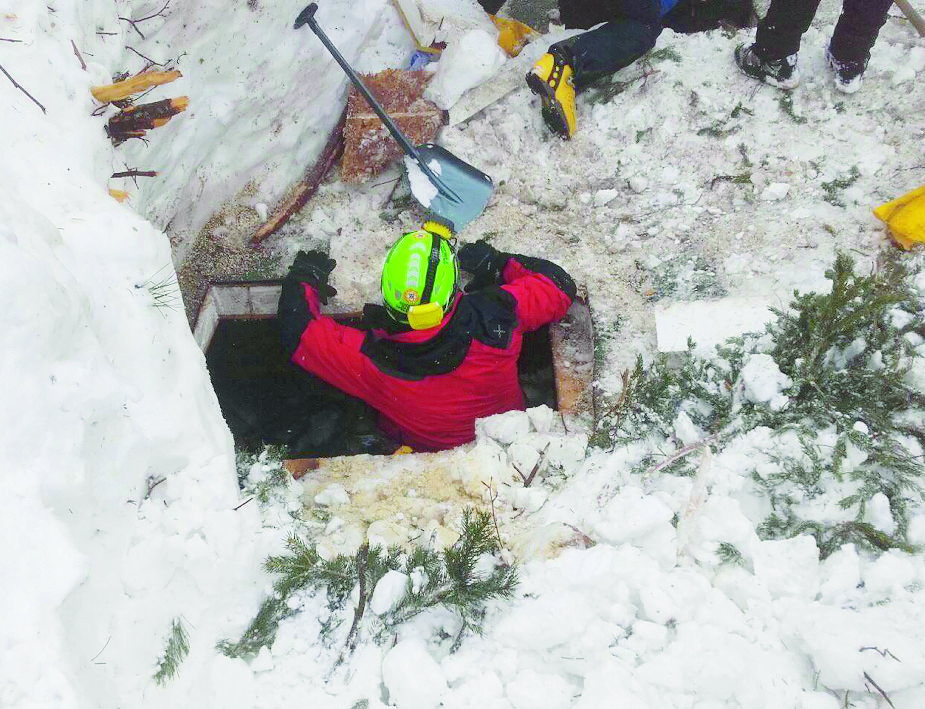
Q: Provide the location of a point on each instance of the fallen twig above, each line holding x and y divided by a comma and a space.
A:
242, 504
134, 23
586, 540
101, 651
152, 483
539, 461
4, 39
882, 653
150, 61
492, 495
687, 450
879, 689
83, 64
135, 173
6, 73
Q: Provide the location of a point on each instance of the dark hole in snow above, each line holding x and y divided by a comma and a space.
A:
266, 399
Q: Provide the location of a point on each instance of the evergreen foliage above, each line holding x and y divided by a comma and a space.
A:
857, 421
453, 578
176, 650
269, 464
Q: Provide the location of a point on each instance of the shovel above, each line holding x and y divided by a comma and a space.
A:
462, 191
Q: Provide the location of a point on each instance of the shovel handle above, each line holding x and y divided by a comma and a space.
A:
307, 16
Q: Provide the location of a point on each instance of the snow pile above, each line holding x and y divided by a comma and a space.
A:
763, 382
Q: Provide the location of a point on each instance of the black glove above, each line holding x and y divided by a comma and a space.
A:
314, 268
484, 262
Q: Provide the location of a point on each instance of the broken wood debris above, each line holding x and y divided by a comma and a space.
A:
307, 186
134, 121
368, 146
123, 89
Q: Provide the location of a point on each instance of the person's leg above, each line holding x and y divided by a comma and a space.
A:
857, 30
583, 14
780, 31
631, 31
608, 49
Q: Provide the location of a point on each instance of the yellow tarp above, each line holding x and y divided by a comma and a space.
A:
513, 35
905, 217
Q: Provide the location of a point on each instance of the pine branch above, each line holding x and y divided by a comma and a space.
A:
177, 649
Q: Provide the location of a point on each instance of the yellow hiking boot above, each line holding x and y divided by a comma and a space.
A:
551, 80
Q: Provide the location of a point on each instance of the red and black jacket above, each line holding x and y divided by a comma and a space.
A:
430, 386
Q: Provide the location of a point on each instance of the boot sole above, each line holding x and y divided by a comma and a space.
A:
553, 115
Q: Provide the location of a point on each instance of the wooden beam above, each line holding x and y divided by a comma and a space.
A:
309, 184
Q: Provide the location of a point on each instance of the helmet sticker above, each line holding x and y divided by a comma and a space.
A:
411, 296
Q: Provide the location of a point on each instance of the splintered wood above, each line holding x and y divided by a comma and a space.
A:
133, 121
368, 146
123, 89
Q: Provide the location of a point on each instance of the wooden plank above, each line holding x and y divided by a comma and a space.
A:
307, 187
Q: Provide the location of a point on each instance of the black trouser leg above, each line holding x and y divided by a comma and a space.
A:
780, 31
857, 29
631, 28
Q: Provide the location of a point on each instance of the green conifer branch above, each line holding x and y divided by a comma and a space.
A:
176, 650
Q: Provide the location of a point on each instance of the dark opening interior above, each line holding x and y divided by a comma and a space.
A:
266, 399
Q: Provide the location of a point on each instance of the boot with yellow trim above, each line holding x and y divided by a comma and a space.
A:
551, 80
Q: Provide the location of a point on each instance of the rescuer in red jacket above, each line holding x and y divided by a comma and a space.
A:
435, 359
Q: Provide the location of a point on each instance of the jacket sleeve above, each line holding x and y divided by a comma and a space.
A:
543, 290
332, 352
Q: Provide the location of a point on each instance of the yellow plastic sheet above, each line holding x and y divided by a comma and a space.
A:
513, 35
905, 217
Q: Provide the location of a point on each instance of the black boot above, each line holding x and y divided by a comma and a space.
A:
782, 73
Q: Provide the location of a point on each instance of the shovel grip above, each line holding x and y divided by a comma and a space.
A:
306, 16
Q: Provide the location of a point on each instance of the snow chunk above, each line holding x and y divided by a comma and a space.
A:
541, 418
763, 381
879, 515
686, 430
464, 64
788, 567
412, 676
504, 428
638, 184
389, 592
604, 197
630, 515
775, 191
709, 322
332, 495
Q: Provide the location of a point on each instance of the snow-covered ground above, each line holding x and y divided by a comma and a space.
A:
120, 510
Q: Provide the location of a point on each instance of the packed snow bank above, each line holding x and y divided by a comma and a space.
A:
263, 100
117, 468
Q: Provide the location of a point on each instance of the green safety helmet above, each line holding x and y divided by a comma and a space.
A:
420, 276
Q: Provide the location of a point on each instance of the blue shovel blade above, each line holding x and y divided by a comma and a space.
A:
462, 190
